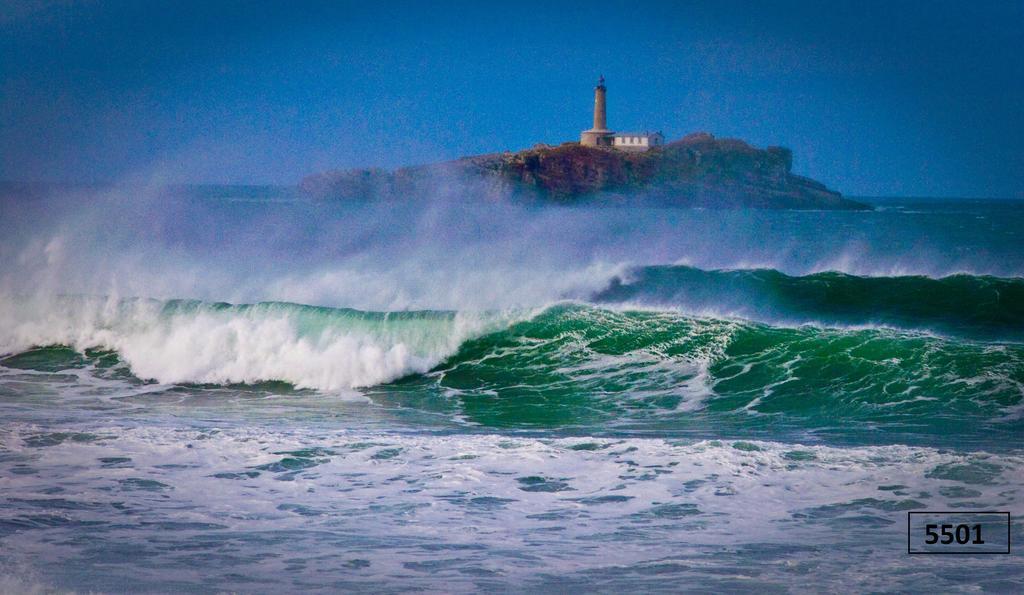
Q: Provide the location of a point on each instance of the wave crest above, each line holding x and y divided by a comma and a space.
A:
974, 306
195, 342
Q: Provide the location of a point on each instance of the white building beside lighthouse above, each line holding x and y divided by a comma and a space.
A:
637, 141
600, 136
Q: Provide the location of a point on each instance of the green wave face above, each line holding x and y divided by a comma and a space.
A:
592, 369
976, 307
572, 368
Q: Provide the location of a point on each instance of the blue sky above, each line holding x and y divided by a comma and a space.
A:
875, 98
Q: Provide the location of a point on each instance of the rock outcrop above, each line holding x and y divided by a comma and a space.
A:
695, 171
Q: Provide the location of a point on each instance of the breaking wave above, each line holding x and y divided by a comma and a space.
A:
566, 365
181, 341
982, 307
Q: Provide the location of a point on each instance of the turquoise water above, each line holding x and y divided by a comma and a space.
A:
271, 396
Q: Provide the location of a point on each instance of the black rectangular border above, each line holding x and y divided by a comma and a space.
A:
1009, 524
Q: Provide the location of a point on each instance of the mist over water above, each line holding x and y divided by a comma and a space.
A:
310, 392
442, 254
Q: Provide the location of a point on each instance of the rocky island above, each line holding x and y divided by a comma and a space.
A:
698, 170
604, 167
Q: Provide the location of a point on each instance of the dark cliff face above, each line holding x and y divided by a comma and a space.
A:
697, 171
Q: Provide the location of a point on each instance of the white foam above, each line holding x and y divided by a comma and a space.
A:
236, 346
471, 502
747, 491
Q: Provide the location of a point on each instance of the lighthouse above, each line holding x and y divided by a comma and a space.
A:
599, 135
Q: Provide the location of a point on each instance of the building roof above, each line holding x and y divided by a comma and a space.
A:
637, 133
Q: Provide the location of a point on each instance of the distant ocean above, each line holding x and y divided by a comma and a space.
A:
238, 389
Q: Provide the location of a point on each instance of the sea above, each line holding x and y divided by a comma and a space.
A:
239, 389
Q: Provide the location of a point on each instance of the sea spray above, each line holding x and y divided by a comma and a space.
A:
459, 255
